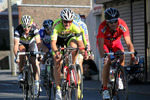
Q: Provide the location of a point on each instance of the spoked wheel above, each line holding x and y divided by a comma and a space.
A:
24, 85
122, 93
47, 82
80, 82
71, 91
31, 83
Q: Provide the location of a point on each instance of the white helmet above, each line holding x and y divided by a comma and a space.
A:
67, 14
26, 20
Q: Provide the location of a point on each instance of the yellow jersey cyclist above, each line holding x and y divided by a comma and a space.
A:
64, 30
25, 36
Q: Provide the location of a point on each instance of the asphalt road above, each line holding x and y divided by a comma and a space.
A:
9, 89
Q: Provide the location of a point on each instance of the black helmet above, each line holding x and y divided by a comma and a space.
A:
111, 14
48, 23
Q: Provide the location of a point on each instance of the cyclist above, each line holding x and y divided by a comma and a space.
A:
25, 37
85, 38
66, 31
45, 33
108, 39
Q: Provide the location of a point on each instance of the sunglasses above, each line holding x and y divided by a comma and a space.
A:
67, 21
26, 26
111, 22
48, 29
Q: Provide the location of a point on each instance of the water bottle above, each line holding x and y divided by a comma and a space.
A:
112, 71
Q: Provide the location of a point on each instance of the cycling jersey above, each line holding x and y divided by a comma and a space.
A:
45, 37
113, 40
19, 34
109, 38
59, 30
85, 35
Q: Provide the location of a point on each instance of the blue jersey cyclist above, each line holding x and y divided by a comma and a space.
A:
45, 33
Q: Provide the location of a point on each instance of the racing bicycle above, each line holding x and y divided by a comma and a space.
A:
117, 71
70, 76
28, 76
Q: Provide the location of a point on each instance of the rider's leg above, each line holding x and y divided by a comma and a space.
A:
105, 73
21, 62
57, 71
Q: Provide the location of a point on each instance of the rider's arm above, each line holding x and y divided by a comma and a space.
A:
53, 45
54, 36
85, 35
38, 41
16, 45
100, 46
129, 45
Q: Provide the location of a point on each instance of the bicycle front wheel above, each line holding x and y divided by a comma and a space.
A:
31, 82
71, 86
24, 84
122, 88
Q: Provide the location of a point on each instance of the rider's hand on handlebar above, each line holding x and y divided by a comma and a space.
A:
17, 60
85, 56
58, 55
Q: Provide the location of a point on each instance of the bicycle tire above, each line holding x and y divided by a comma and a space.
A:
31, 82
71, 92
81, 80
48, 83
53, 86
25, 86
121, 94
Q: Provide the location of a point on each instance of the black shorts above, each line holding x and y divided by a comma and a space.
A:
64, 41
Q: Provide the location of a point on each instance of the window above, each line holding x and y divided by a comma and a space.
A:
1, 1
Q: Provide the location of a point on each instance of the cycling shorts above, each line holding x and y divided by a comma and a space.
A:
29, 47
64, 41
113, 48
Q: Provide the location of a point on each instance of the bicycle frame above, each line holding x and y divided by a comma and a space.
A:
71, 81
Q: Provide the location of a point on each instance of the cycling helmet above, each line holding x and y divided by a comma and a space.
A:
26, 20
111, 14
48, 23
77, 18
67, 14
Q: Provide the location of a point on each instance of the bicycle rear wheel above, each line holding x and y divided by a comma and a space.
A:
80, 85
122, 94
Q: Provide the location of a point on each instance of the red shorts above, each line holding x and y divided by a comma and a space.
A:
113, 48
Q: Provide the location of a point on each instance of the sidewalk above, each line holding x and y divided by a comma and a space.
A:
141, 88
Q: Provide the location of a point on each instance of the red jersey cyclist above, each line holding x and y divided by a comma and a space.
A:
108, 39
